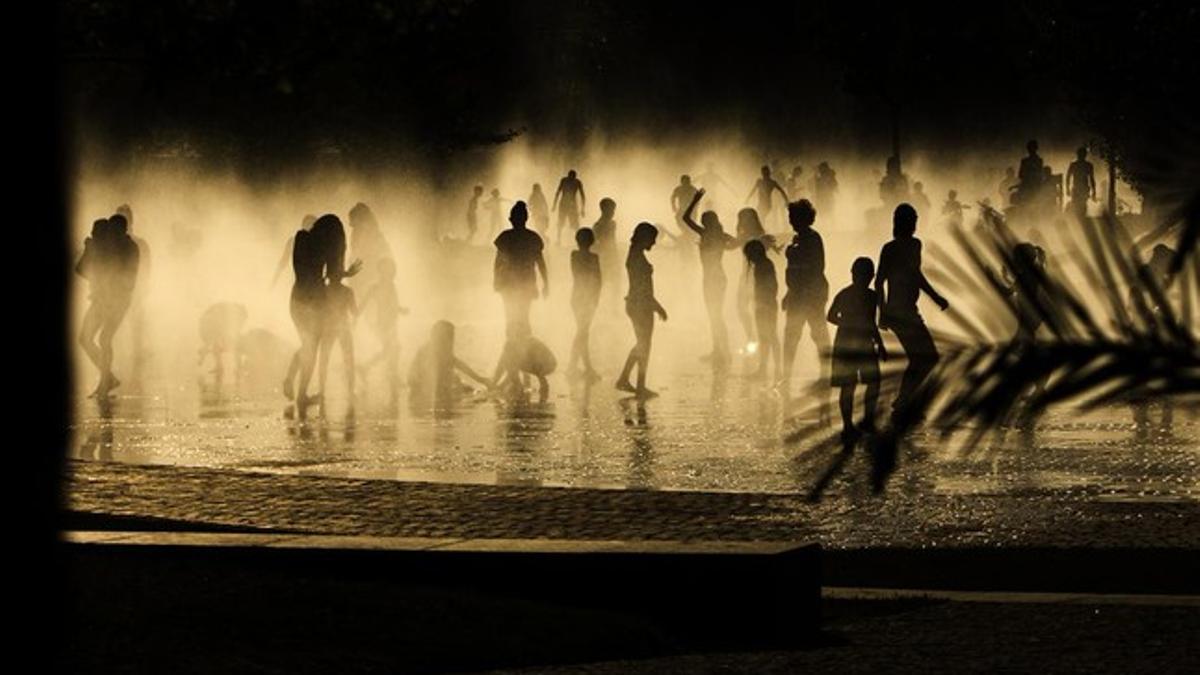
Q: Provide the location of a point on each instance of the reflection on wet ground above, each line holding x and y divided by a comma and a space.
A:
700, 435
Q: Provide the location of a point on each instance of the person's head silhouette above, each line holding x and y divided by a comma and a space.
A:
918, 187
571, 173
904, 221
361, 214
862, 271
478, 190
607, 208
518, 215
748, 223
766, 171
801, 215
537, 188
710, 221
755, 251
495, 192
1032, 147
127, 213
584, 238
685, 179
644, 236
1081, 153
953, 195
120, 226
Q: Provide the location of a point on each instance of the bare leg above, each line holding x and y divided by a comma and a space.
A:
870, 403
846, 403
92, 323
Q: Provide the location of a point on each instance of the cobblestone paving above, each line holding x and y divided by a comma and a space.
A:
389, 508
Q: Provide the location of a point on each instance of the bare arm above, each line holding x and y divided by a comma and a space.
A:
752, 191
582, 200
469, 372
557, 194
777, 186
540, 263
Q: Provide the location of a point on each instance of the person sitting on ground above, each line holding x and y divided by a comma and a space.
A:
432, 378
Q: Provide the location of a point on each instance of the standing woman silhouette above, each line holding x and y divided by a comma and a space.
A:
641, 306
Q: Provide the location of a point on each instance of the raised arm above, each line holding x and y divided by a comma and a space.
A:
691, 208
776, 186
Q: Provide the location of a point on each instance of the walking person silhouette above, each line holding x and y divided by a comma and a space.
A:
570, 202
641, 306
899, 282
714, 241
807, 293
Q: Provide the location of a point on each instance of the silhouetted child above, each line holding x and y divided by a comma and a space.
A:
473, 212
585, 296
766, 312
431, 377
952, 210
220, 330
383, 324
527, 355
495, 209
340, 311
857, 347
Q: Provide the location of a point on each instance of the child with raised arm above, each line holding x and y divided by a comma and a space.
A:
857, 348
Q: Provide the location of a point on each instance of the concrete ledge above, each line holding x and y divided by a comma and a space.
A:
703, 594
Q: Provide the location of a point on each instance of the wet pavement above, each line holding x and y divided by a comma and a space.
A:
700, 462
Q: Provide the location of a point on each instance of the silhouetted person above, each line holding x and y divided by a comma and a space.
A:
899, 282
367, 241
529, 356
285, 260
1008, 186
570, 202
473, 212
794, 185
807, 290
710, 180
495, 210
141, 288
826, 190
764, 188
919, 199
681, 196
431, 376
641, 306
766, 309
220, 334
893, 188
338, 315
110, 264
714, 241
1030, 177
605, 229
1081, 183
749, 228
539, 211
585, 296
384, 302
519, 259
857, 348
952, 211
318, 256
